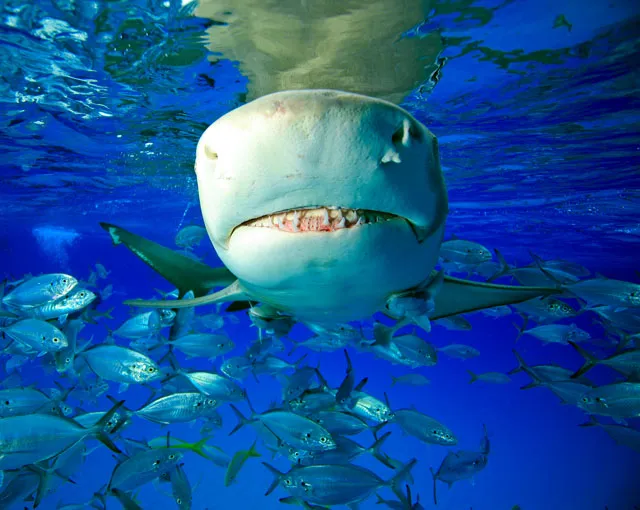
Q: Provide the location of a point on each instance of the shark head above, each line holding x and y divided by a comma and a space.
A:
322, 203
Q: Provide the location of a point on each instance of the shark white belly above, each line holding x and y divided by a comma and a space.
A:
322, 203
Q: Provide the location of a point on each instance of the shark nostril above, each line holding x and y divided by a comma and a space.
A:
404, 133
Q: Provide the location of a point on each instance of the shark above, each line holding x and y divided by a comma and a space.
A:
324, 206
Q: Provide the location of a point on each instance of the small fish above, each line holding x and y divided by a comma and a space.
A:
190, 236
556, 333
290, 428
201, 448
618, 400
490, 377
621, 434
178, 408
464, 253
459, 351
215, 386
143, 467
423, 427
410, 379
455, 323
143, 325
333, 484
34, 336
60, 309
203, 345
101, 271
543, 310
340, 423
36, 437
40, 290
122, 365
461, 464
181, 488
237, 461
624, 362
561, 21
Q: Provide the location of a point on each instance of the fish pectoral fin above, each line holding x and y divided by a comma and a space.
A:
461, 296
185, 273
233, 292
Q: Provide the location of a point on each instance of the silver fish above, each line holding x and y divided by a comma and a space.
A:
178, 408
39, 290
36, 336
122, 365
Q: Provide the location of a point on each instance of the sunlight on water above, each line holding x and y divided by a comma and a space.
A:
55, 242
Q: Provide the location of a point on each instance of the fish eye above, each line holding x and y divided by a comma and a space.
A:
67, 360
287, 481
64, 280
55, 340
178, 501
172, 456
323, 439
151, 369
82, 294
211, 402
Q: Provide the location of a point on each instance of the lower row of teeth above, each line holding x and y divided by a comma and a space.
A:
324, 219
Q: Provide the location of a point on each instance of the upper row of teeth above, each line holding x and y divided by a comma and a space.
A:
330, 217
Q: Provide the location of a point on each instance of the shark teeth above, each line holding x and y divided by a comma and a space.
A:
319, 219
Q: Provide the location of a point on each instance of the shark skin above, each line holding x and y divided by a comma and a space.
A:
323, 205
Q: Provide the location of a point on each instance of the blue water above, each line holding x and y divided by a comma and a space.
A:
103, 103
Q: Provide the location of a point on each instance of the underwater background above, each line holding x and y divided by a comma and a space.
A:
536, 109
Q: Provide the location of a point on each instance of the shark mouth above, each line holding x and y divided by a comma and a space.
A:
325, 219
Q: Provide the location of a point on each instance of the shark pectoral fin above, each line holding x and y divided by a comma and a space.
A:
233, 292
185, 273
461, 296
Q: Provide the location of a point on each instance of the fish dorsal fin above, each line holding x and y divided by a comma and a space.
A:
185, 273
461, 296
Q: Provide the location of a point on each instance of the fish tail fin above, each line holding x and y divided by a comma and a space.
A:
374, 449
44, 481
504, 267
252, 452
321, 380
99, 428
242, 420
435, 478
395, 481
590, 360
277, 476
521, 329
474, 376
521, 363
